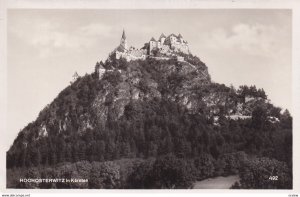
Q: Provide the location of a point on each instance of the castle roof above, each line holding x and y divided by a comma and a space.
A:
101, 66
120, 48
123, 35
152, 39
162, 36
75, 74
172, 35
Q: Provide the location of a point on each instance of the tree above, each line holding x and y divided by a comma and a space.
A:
261, 93
61, 149
286, 120
31, 173
231, 164
265, 173
259, 118
101, 150
172, 172
104, 176
141, 177
166, 145
204, 165
96, 72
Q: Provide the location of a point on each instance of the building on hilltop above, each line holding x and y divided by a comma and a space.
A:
131, 53
177, 43
99, 69
74, 77
123, 42
164, 45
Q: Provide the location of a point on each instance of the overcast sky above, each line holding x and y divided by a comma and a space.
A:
46, 47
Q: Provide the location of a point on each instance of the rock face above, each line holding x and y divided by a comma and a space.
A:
169, 79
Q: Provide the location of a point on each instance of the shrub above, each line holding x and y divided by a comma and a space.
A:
265, 173
141, 177
205, 166
31, 173
170, 172
104, 175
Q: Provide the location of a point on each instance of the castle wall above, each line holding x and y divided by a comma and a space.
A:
137, 53
171, 42
118, 54
173, 39
124, 43
132, 54
180, 47
165, 49
101, 72
152, 45
165, 46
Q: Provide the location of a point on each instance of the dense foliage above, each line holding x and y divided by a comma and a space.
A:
264, 173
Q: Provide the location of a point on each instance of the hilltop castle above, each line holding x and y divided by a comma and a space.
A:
164, 46
167, 44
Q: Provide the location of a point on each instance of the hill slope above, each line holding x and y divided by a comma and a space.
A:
149, 108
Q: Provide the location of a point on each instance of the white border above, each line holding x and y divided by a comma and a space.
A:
294, 5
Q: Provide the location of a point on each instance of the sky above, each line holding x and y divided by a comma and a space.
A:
45, 48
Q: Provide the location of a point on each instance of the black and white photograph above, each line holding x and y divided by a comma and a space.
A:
191, 98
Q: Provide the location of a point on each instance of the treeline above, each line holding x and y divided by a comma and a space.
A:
154, 128
164, 172
251, 91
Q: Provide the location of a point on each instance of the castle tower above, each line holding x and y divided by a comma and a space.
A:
152, 44
123, 42
180, 38
102, 70
162, 38
75, 77
173, 39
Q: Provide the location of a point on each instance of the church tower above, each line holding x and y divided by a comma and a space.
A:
123, 42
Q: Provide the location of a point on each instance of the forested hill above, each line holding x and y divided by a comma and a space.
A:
150, 108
